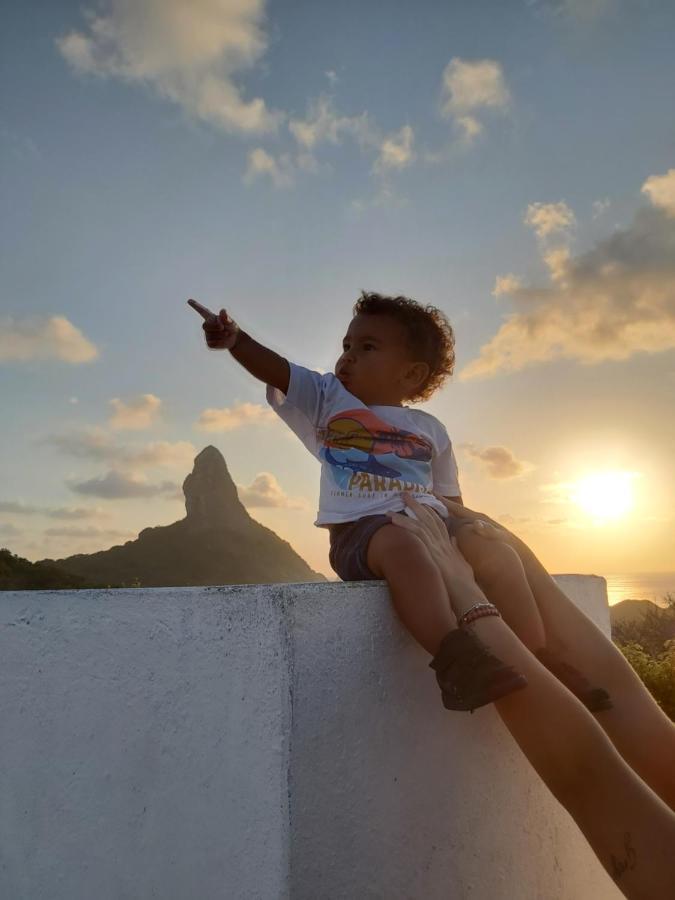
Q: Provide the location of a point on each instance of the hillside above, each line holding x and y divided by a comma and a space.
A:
216, 543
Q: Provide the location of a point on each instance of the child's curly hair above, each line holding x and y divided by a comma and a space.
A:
430, 337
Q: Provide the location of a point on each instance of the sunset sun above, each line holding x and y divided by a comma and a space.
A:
604, 495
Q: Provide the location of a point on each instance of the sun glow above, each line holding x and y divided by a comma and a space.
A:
605, 495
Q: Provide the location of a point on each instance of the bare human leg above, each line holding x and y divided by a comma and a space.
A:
415, 584
636, 725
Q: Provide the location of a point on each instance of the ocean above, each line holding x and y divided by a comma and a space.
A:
644, 586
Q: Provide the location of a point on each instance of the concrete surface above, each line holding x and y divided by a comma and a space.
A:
262, 742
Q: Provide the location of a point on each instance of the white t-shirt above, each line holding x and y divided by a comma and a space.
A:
368, 454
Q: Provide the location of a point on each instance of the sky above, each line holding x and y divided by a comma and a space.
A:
512, 164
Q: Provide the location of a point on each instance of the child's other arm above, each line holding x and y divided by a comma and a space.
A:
223, 333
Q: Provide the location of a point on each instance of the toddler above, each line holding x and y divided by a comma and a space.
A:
372, 447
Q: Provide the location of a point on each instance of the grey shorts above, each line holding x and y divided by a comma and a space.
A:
349, 541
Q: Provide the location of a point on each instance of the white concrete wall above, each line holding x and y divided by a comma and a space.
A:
262, 742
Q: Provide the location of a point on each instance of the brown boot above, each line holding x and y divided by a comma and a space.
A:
469, 675
594, 698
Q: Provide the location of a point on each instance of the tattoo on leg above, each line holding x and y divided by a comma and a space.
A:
629, 861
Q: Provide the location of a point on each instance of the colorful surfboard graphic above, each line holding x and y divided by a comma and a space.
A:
362, 431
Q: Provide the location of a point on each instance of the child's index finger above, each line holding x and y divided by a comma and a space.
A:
202, 310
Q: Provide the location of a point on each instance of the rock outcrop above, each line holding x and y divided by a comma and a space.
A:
216, 543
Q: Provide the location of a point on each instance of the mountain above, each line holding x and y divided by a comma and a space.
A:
630, 611
216, 543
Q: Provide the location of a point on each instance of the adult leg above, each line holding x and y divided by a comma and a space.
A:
500, 573
636, 725
629, 828
639, 729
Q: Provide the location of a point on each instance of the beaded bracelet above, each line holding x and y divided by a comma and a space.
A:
477, 612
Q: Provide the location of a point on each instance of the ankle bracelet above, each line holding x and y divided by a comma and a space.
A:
477, 611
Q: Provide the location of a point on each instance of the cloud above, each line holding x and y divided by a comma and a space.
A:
506, 284
77, 512
188, 53
89, 532
231, 418
549, 218
9, 530
266, 491
43, 338
469, 87
608, 304
324, 125
600, 207
178, 454
19, 508
121, 486
556, 260
94, 443
499, 462
661, 191
396, 151
140, 412
262, 164
580, 12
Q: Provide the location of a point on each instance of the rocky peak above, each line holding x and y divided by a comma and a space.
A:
210, 494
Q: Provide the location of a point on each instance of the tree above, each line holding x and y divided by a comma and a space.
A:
649, 646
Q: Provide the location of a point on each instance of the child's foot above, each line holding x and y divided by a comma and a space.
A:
594, 698
469, 675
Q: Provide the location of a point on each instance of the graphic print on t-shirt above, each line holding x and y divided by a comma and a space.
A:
356, 440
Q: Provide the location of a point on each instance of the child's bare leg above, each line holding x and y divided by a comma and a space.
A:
415, 583
500, 573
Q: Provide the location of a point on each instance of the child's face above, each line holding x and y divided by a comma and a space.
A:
375, 361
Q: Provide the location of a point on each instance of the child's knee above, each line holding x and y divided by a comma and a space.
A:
489, 558
392, 546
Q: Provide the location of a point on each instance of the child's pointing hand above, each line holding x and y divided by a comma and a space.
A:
221, 332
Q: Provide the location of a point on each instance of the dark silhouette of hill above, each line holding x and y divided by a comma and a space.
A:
630, 611
216, 543
19, 574
643, 622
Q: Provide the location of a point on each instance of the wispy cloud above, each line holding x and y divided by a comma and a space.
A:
468, 88
44, 338
262, 164
323, 124
189, 53
498, 462
265, 491
95, 444
89, 532
231, 418
549, 218
61, 512
661, 191
579, 12
607, 304
136, 414
116, 485
396, 151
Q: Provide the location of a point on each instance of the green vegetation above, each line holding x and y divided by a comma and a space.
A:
19, 574
647, 640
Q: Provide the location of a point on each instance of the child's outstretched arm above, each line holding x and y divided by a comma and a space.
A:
222, 333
